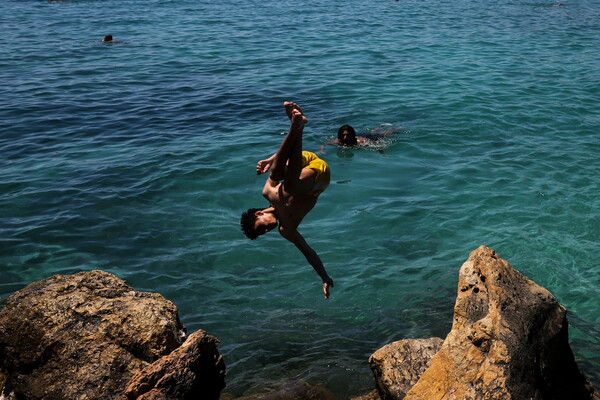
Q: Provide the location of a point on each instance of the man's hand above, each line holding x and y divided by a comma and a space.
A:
263, 166
326, 286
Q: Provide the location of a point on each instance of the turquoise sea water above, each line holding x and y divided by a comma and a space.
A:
138, 158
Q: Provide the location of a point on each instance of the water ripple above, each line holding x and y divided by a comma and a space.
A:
138, 158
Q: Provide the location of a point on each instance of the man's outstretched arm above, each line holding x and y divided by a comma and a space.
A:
311, 256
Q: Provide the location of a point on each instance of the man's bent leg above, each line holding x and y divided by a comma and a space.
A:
294, 165
305, 183
290, 151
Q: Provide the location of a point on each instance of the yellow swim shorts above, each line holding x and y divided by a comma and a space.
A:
310, 160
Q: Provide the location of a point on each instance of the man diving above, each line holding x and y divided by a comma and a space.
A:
296, 180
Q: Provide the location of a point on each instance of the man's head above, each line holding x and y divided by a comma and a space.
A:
347, 136
256, 222
107, 38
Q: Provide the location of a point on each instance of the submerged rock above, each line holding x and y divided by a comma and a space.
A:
373, 395
293, 390
82, 336
509, 340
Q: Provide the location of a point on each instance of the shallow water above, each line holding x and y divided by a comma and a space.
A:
138, 158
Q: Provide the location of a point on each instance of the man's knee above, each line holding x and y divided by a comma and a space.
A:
301, 185
278, 172
276, 177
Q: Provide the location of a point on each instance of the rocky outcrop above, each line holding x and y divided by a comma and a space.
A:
194, 371
398, 366
82, 336
509, 340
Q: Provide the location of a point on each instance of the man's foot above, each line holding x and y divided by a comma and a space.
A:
289, 107
298, 118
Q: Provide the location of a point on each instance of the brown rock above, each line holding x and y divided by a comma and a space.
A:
373, 395
398, 366
509, 340
82, 336
194, 371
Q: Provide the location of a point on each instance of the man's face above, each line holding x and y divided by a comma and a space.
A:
347, 138
264, 223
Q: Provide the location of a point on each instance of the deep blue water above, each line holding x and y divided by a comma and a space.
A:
138, 158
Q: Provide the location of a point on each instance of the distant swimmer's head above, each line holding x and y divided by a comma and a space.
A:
107, 38
255, 222
347, 136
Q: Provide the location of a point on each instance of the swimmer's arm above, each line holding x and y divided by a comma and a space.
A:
322, 149
387, 129
311, 256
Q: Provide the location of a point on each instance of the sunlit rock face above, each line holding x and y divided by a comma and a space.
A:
509, 340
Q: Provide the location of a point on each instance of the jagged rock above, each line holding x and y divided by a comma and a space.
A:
398, 366
509, 340
82, 336
194, 371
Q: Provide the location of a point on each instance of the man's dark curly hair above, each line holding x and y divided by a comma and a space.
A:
247, 222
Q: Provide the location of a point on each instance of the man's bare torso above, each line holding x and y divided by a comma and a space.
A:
291, 209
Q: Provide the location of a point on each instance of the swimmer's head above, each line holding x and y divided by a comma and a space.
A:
107, 38
255, 222
347, 136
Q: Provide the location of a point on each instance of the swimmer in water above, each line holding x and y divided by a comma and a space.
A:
109, 39
293, 187
347, 136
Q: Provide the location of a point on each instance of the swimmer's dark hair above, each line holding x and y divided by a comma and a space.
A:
247, 222
353, 141
107, 38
